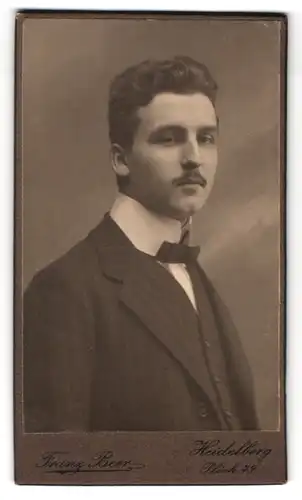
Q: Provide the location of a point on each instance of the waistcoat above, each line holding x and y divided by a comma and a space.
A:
217, 383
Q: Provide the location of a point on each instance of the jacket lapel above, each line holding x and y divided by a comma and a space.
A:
161, 304
157, 300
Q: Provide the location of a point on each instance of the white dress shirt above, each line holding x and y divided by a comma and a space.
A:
147, 231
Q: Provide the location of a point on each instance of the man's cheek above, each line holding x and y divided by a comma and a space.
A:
213, 160
165, 156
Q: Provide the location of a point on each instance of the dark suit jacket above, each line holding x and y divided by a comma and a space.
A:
106, 347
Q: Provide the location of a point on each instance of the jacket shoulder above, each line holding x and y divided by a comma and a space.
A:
76, 268
59, 342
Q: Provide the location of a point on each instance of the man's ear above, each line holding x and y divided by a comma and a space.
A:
119, 161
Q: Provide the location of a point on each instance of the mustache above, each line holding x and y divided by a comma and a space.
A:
193, 178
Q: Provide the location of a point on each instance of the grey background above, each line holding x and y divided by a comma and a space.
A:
67, 180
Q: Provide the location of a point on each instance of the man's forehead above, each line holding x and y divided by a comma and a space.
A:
194, 110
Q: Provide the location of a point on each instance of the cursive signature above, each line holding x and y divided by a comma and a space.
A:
60, 462
231, 458
233, 449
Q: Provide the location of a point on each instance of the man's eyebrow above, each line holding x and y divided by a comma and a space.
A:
168, 127
208, 128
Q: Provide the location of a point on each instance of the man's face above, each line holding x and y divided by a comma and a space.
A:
173, 160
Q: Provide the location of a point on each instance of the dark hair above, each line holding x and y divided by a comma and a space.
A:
139, 84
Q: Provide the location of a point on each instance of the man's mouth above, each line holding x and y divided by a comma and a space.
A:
201, 181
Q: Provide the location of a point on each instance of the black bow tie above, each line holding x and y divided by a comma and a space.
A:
177, 253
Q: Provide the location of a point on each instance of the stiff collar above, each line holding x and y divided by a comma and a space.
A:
145, 229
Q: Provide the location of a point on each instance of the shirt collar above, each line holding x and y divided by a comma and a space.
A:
145, 229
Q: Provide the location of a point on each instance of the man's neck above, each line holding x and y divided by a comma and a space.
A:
145, 229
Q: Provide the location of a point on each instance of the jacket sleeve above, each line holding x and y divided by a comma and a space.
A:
238, 366
57, 354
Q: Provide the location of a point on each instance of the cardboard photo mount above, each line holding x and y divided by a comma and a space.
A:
152, 457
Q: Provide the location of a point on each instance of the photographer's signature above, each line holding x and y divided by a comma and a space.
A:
61, 462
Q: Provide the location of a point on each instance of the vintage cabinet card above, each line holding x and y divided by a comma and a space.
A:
149, 248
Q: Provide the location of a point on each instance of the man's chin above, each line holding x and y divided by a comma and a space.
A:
192, 205
185, 210
179, 209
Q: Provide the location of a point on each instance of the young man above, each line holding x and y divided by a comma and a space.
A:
125, 332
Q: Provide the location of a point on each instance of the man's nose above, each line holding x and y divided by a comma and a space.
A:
191, 156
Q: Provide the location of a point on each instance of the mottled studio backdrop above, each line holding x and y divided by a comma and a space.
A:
68, 183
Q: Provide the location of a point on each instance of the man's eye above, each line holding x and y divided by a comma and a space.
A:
166, 139
207, 139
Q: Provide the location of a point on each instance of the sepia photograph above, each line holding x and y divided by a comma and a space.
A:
149, 233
